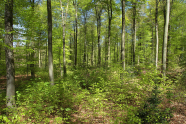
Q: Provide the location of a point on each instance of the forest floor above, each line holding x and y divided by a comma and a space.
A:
102, 111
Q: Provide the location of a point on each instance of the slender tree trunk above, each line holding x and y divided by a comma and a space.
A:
165, 38
39, 51
10, 72
106, 49
75, 5
64, 26
1, 38
109, 8
117, 52
61, 74
123, 36
70, 49
92, 54
98, 16
134, 32
32, 55
157, 39
169, 37
85, 42
46, 55
27, 59
50, 55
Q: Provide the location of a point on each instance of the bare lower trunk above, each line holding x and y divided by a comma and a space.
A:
10, 72
156, 28
123, 36
134, 33
92, 54
50, 55
165, 38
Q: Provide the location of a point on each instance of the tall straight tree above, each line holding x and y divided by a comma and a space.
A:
50, 55
10, 72
33, 52
156, 28
123, 35
98, 16
85, 42
165, 38
64, 25
109, 9
134, 33
75, 33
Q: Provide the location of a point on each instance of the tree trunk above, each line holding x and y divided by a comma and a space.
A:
109, 8
39, 52
75, 5
70, 50
64, 26
60, 61
157, 40
46, 56
10, 72
85, 42
50, 55
99, 32
123, 36
32, 55
92, 54
134, 33
165, 38
98, 16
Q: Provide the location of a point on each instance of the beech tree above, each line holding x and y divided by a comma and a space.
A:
165, 38
156, 28
10, 72
123, 36
50, 55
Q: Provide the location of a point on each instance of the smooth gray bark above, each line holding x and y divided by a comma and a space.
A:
157, 40
10, 72
50, 55
64, 26
166, 38
109, 8
123, 36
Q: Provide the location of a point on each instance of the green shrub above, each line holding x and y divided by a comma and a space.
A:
150, 112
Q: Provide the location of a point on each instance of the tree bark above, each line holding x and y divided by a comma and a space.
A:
64, 26
109, 8
85, 42
123, 36
10, 72
157, 39
75, 61
32, 55
165, 38
92, 54
134, 33
50, 55
98, 15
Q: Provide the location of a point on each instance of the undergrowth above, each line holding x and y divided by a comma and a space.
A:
96, 91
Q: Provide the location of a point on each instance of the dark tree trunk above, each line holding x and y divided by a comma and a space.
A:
50, 55
75, 5
32, 55
134, 33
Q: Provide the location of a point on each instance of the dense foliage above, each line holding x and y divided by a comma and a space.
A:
102, 74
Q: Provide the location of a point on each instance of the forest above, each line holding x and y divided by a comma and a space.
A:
92, 61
